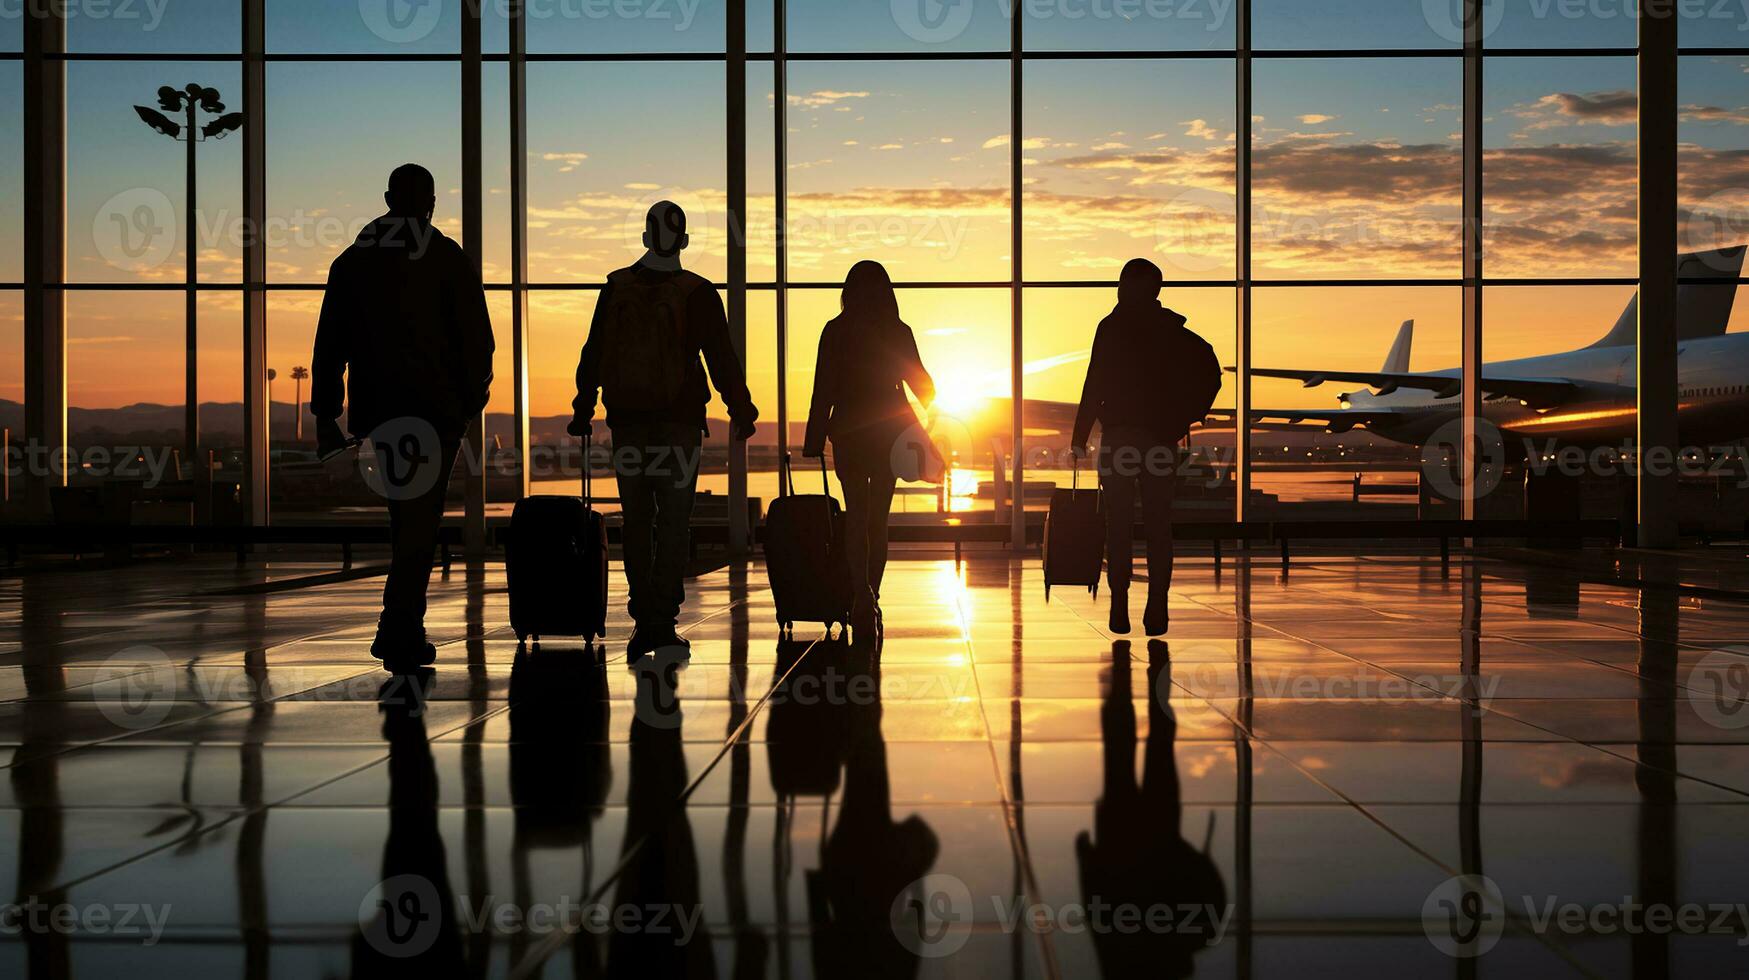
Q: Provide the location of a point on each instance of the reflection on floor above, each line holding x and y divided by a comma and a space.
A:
1366, 765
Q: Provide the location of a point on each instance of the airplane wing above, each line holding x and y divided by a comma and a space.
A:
1335, 420
1536, 392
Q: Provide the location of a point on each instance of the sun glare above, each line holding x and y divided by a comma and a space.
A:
961, 391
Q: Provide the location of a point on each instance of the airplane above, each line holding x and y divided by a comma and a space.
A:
1580, 397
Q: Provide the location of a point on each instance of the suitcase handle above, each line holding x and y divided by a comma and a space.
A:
588, 440
786, 482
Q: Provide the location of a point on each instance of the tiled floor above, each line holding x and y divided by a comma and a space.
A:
1362, 766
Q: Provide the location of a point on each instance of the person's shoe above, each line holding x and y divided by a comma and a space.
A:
1157, 616
862, 616
669, 642
401, 655
650, 639
1120, 613
643, 641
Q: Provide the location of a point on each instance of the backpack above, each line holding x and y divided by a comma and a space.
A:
645, 362
1202, 379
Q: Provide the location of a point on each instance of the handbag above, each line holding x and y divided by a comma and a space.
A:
916, 459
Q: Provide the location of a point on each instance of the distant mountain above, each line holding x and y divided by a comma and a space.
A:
222, 423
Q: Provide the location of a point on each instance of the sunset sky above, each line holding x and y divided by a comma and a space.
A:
1356, 175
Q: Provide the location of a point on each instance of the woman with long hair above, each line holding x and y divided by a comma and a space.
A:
867, 357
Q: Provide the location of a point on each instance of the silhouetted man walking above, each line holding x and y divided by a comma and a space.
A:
652, 321
1149, 379
405, 340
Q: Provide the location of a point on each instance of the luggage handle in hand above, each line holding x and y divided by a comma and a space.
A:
588, 441
786, 481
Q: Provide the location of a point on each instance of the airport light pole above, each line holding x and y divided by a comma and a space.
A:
190, 101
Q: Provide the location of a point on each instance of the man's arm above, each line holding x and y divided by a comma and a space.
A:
589, 367
333, 342
704, 311
1092, 392
474, 326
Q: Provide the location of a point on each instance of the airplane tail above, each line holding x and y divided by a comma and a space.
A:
1703, 309
1397, 361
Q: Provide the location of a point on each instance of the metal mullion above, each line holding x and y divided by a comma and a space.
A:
602, 57
1017, 241
44, 85
517, 66
1470, 373
1242, 77
257, 410
473, 243
735, 85
1656, 383
780, 160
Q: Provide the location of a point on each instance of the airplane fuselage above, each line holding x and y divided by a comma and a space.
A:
1712, 402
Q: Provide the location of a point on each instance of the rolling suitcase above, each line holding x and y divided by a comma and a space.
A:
556, 564
804, 555
1074, 537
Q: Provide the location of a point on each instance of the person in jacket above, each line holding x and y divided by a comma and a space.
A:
867, 357
652, 321
404, 345
1149, 379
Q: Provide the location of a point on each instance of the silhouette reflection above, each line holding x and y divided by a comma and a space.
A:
1137, 855
1658, 827
825, 731
414, 931
560, 770
659, 882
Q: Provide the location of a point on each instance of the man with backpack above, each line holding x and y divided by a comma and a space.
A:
1149, 379
652, 321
